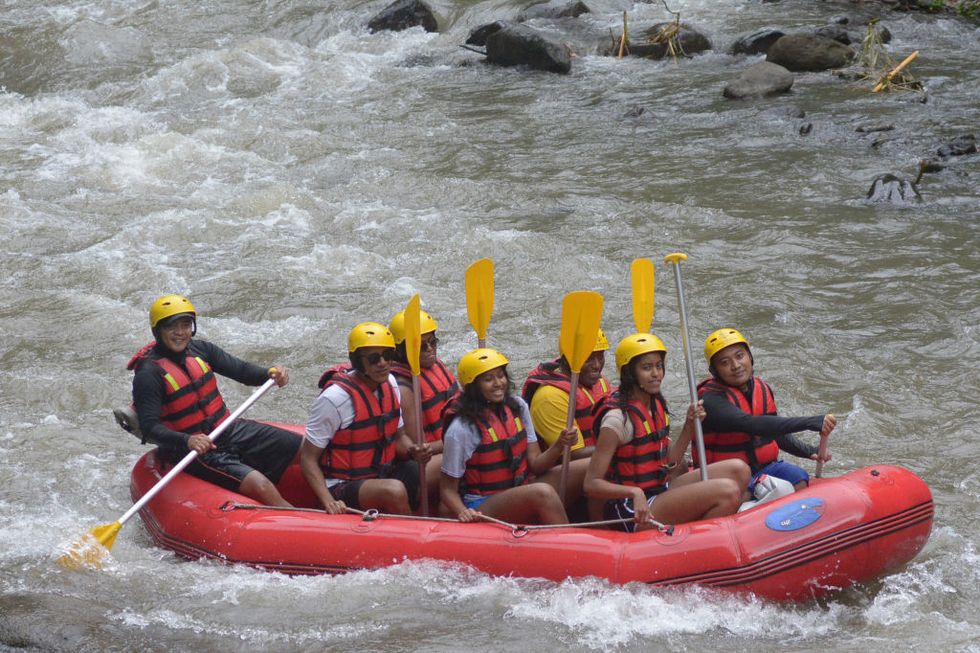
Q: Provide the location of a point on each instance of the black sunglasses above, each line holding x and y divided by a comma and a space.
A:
430, 344
375, 358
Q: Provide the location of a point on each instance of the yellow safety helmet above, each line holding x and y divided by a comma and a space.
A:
369, 334
636, 344
601, 342
478, 361
720, 339
397, 325
168, 306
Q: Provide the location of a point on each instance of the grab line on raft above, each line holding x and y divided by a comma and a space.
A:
519, 530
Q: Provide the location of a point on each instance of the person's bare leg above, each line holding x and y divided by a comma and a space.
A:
256, 486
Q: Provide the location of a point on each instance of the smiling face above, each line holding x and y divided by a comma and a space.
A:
427, 356
592, 369
733, 365
492, 385
648, 370
176, 334
376, 362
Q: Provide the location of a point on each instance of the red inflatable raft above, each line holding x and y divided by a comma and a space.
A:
838, 532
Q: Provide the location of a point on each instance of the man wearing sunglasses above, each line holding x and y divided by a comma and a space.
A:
356, 452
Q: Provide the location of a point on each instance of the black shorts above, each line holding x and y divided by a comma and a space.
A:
406, 471
623, 509
248, 446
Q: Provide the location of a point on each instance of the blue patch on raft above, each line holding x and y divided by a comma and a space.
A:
796, 515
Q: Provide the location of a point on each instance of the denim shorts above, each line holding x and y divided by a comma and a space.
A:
474, 501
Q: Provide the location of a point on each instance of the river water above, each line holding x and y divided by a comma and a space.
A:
294, 175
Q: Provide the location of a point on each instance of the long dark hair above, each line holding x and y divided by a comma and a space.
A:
471, 404
627, 384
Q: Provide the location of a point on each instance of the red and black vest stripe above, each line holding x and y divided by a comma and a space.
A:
438, 388
500, 461
191, 403
359, 450
642, 462
586, 399
720, 445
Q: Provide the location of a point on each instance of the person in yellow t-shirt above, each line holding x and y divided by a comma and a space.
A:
546, 391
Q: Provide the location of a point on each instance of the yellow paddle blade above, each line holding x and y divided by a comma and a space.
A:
479, 295
92, 549
413, 339
581, 312
642, 275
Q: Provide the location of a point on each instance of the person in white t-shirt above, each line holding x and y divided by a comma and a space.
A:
356, 453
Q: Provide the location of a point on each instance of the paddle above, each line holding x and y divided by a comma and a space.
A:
641, 273
479, 297
581, 312
94, 546
413, 351
822, 452
675, 260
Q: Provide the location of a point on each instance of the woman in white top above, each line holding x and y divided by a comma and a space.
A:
490, 450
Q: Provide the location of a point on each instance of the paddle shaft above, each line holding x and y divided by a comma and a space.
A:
822, 452
189, 458
420, 440
566, 455
692, 386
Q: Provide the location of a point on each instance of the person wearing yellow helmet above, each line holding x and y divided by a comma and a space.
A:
490, 450
546, 391
636, 468
356, 453
177, 403
437, 388
742, 420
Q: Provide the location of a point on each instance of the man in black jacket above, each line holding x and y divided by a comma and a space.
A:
176, 398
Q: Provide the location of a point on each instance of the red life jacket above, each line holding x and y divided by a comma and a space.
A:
734, 444
500, 461
191, 403
359, 450
439, 387
642, 462
586, 399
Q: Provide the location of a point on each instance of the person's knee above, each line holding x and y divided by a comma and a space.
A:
542, 491
738, 471
730, 493
393, 490
257, 486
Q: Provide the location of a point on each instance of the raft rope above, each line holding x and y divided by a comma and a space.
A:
518, 530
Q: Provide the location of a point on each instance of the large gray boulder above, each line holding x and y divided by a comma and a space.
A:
809, 52
519, 45
760, 80
403, 14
